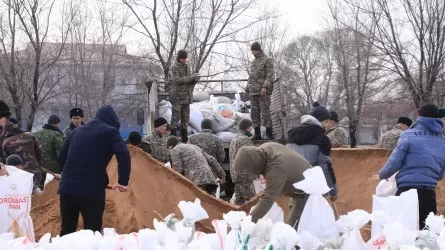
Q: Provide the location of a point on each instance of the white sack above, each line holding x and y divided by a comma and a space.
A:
403, 209
201, 96
15, 203
317, 217
165, 110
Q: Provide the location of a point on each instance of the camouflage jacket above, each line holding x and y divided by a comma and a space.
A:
210, 143
195, 164
181, 83
67, 130
390, 138
158, 146
261, 75
338, 137
26, 146
51, 140
240, 140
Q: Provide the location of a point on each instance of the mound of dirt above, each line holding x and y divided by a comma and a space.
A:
353, 168
153, 189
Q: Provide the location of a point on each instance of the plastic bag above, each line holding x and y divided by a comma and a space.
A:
387, 187
196, 118
165, 110
201, 96
403, 209
48, 179
275, 213
283, 237
225, 136
259, 184
15, 205
309, 242
317, 217
192, 211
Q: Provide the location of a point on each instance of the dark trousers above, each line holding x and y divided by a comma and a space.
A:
209, 188
91, 210
427, 202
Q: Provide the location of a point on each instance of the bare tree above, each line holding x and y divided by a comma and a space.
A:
308, 73
357, 63
34, 19
411, 36
8, 56
198, 25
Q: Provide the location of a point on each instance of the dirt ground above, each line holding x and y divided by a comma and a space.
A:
154, 188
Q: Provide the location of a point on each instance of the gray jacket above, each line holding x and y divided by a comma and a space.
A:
301, 141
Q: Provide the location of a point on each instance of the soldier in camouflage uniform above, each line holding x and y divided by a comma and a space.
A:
244, 191
195, 164
337, 135
210, 143
76, 116
259, 86
157, 140
51, 139
390, 138
25, 145
5, 114
182, 83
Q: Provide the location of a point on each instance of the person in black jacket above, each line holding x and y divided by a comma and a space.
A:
84, 158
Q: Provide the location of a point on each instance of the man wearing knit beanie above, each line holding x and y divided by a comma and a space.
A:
309, 139
76, 116
259, 87
207, 141
244, 191
195, 164
337, 134
390, 138
157, 140
5, 113
182, 82
51, 139
418, 160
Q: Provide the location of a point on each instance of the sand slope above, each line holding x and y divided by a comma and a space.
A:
156, 188
153, 188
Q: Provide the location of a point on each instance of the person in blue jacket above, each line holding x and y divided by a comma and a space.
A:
419, 159
84, 158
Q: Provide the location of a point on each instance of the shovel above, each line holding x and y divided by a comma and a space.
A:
334, 207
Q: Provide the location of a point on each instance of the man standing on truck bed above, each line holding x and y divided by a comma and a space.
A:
182, 83
259, 86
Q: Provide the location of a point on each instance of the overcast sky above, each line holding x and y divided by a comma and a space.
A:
303, 16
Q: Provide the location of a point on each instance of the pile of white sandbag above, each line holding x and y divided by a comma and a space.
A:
224, 113
317, 229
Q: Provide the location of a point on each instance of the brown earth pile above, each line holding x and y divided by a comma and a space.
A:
153, 188
156, 188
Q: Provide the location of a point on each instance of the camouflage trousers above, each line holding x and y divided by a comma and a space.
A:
260, 111
296, 206
244, 191
181, 112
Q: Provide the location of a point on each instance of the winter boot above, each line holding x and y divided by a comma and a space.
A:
257, 135
184, 136
269, 134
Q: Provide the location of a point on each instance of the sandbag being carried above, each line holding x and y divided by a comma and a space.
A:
219, 123
225, 136
225, 110
15, 203
317, 217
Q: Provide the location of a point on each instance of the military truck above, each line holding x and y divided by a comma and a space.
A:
277, 109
